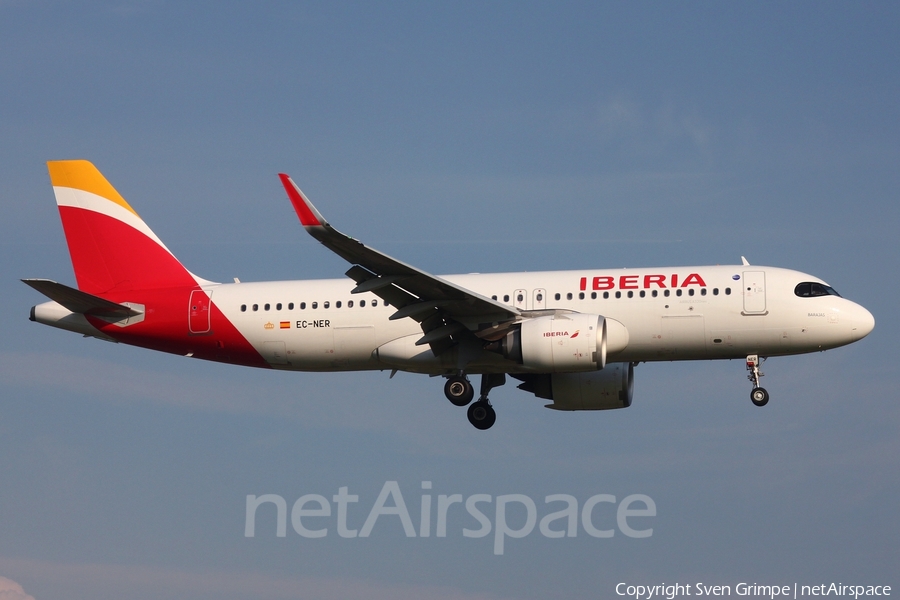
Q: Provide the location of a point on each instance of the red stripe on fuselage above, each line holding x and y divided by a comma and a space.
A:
165, 328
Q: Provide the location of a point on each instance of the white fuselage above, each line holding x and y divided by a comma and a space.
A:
682, 313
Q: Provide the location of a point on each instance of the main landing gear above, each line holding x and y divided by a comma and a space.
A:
460, 392
759, 396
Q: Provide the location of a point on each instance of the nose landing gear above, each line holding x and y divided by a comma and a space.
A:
759, 396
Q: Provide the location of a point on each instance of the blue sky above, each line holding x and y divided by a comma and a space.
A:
459, 137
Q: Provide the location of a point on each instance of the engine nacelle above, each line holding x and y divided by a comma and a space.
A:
610, 388
565, 342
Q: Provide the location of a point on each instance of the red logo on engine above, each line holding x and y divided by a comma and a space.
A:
561, 334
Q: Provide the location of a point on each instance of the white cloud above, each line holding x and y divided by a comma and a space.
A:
10, 590
647, 131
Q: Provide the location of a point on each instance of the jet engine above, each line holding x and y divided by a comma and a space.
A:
565, 342
610, 388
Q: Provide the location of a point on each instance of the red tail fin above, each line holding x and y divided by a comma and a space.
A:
111, 247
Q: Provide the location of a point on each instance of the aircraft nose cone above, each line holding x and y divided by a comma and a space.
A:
863, 323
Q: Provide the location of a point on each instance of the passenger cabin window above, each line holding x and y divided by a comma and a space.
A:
811, 289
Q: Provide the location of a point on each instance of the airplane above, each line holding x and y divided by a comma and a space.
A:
570, 337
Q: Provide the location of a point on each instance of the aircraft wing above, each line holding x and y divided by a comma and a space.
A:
445, 310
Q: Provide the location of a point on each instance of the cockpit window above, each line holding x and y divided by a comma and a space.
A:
809, 289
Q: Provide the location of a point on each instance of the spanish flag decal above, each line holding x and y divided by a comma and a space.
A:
285, 325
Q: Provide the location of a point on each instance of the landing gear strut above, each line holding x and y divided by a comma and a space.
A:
759, 396
459, 390
481, 414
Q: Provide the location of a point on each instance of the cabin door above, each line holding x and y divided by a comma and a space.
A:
754, 292
198, 312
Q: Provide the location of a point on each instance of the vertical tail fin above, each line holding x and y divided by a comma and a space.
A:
111, 247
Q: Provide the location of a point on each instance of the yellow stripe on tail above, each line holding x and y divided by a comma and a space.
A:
83, 175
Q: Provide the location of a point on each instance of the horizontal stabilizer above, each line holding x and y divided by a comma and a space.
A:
80, 302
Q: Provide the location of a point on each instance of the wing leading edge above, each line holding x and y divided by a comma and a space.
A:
447, 312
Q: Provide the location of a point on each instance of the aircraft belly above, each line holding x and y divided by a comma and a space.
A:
353, 347
682, 336
310, 349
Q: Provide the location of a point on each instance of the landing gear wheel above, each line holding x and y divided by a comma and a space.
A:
481, 414
759, 397
458, 390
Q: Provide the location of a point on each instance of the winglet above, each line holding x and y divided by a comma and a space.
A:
309, 216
